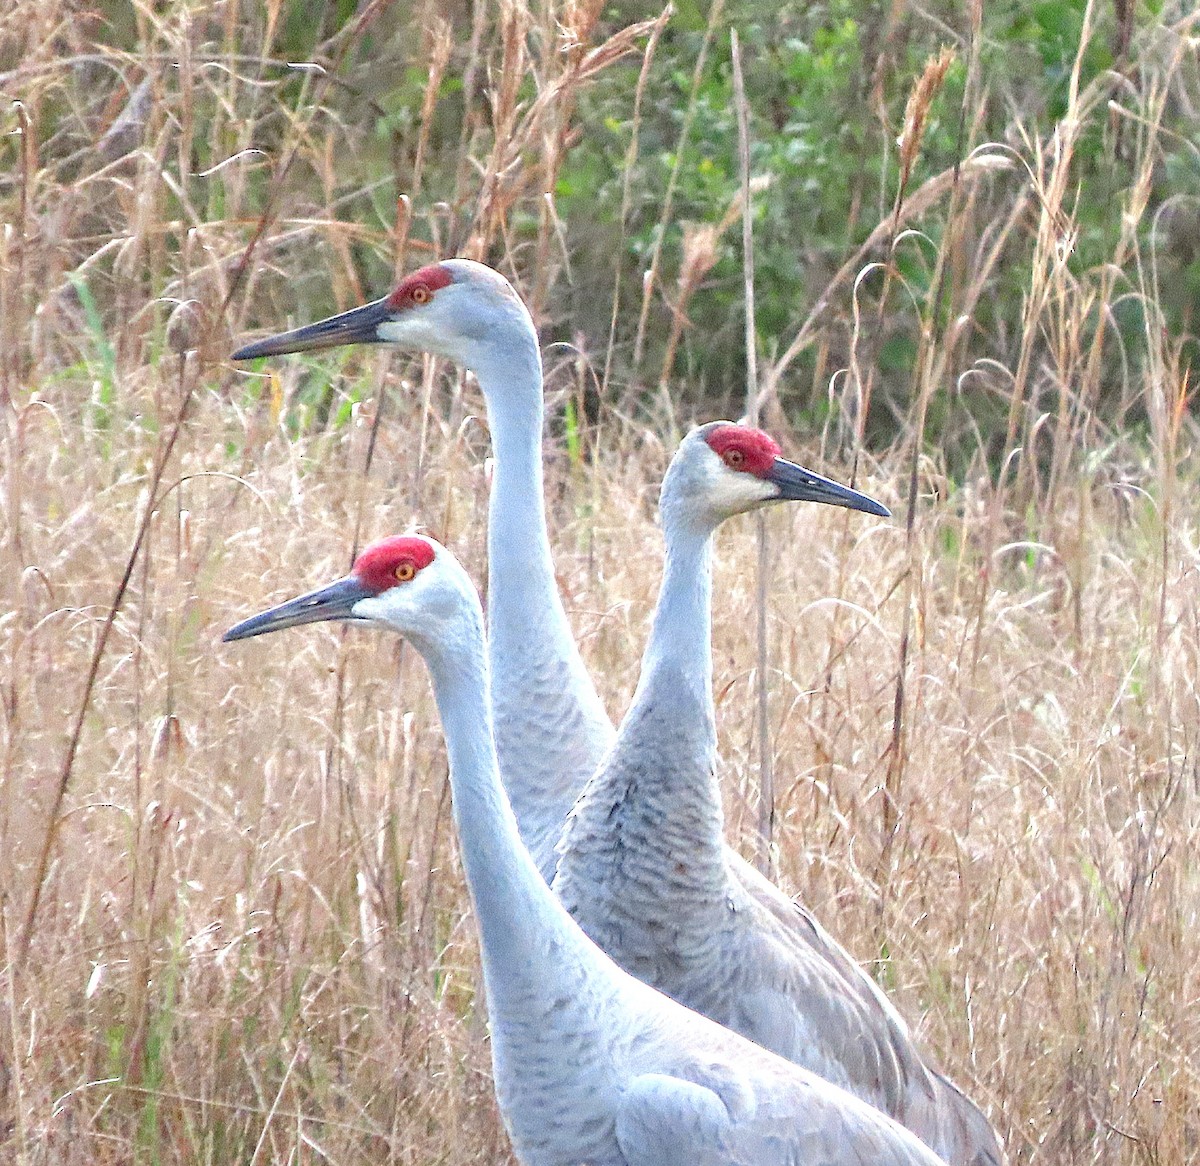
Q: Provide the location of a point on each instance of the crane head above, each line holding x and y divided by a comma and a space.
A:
722, 469
409, 583
452, 309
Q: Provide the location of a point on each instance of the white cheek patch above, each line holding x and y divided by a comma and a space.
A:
413, 329
736, 491
368, 608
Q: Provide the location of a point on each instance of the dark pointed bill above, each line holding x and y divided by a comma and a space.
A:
326, 603
357, 326
796, 484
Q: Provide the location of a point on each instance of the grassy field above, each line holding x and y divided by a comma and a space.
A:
232, 923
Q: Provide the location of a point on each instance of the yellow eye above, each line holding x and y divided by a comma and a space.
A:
734, 459
421, 295
405, 571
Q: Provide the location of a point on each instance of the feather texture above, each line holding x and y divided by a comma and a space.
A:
644, 868
591, 1065
643, 865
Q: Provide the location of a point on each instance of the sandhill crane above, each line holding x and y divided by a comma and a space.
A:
551, 728
591, 1065
643, 866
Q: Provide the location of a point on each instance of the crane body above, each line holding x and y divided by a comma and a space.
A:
591, 1065
644, 868
681, 909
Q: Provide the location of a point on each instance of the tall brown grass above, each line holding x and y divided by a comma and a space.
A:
231, 924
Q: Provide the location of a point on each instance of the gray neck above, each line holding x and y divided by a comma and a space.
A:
551, 729
678, 660
520, 569
520, 922
642, 865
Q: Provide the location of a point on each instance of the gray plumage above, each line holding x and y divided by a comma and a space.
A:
592, 1067
643, 866
789, 982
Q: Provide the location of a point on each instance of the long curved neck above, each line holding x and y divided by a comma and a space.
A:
656, 795
679, 651
521, 923
511, 379
551, 728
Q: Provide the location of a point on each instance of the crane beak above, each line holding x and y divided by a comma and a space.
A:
796, 484
357, 326
335, 602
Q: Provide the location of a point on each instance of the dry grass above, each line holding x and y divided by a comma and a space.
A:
249, 942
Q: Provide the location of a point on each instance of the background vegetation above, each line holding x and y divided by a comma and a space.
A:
231, 924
